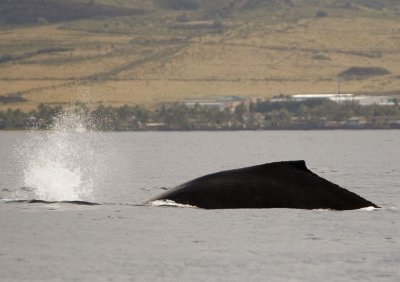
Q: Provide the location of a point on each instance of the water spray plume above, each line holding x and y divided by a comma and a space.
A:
59, 163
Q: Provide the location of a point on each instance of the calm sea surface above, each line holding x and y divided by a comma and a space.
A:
120, 241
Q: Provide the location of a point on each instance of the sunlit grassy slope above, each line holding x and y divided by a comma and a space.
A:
262, 49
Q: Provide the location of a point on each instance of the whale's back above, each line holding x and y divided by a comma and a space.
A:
273, 185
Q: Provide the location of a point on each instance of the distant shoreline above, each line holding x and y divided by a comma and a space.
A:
215, 130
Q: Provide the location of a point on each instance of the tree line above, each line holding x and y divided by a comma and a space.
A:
309, 114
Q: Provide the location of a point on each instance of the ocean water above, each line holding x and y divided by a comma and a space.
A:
120, 240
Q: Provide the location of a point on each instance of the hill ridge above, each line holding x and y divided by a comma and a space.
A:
159, 53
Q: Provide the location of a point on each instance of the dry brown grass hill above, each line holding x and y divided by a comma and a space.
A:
161, 53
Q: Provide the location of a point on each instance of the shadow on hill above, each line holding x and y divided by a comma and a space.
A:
212, 5
362, 72
28, 12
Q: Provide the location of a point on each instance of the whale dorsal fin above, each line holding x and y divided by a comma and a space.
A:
300, 164
297, 165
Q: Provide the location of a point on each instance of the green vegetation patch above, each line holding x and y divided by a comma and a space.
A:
310, 114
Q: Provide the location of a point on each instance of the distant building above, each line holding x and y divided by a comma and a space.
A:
356, 122
341, 98
375, 100
338, 98
155, 126
220, 102
204, 103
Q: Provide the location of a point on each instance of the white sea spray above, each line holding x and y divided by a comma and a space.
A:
60, 163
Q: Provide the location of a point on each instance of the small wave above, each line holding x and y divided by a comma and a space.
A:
35, 201
27, 189
6, 190
23, 189
169, 203
371, 208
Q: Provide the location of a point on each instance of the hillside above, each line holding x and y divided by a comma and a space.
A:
146, 52
31, 12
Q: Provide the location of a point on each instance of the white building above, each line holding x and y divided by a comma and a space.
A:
220, 102
339, 98
375, 100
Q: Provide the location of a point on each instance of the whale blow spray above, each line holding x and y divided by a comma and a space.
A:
59, 164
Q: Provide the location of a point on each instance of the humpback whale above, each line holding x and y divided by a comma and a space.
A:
288, 184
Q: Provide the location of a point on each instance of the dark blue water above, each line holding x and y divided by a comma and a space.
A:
121, 241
